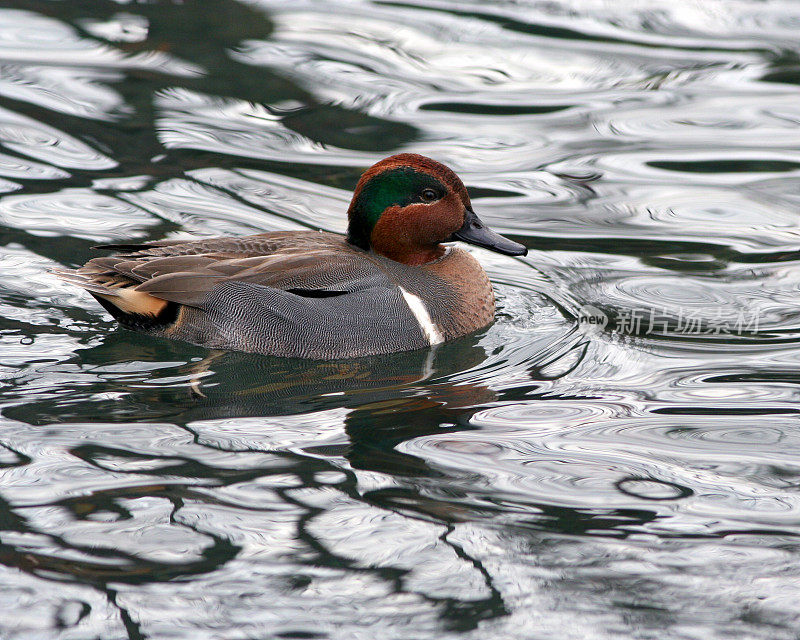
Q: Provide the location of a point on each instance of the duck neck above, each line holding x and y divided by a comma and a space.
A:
413, 256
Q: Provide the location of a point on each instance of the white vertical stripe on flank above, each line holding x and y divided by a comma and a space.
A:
423, 317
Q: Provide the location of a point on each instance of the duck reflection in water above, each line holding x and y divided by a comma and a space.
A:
389, 400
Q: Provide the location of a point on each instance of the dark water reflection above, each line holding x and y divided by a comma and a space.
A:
616, 457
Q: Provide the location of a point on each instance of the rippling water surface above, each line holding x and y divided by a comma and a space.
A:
618, 456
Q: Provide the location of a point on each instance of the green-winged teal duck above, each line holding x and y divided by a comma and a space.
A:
389, 285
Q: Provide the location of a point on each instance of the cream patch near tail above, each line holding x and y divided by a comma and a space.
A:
121, 292
132, 301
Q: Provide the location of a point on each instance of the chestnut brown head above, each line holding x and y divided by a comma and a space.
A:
406, 205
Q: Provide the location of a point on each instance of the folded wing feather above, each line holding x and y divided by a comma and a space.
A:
145, 277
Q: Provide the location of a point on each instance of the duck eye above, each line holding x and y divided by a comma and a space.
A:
428, 195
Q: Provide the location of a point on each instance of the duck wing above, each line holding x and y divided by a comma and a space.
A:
310, 264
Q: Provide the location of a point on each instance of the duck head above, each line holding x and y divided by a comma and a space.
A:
406, 205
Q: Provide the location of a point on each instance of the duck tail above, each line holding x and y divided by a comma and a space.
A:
119, 296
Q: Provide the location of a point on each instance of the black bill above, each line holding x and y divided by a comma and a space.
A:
475, 232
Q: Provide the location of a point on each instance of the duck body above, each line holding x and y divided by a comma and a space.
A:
383, 288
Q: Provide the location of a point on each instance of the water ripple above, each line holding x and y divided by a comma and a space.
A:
40, 141
77, 92
74, 212
27, 37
